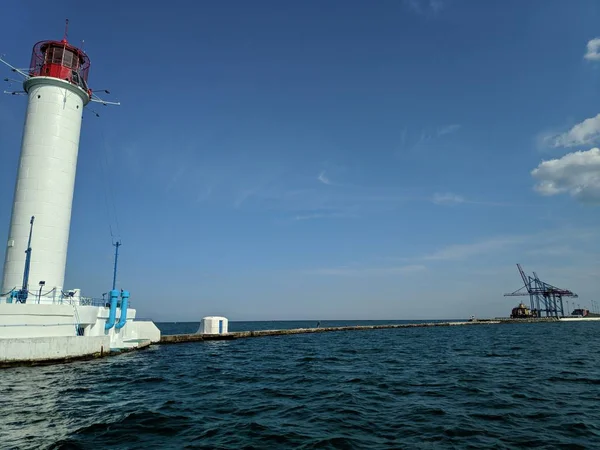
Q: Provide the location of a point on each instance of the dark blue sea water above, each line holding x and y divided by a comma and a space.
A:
485, 386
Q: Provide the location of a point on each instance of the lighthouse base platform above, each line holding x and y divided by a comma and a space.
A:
31, 333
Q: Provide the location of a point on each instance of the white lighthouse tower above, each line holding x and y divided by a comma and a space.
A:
57, 91
39, 319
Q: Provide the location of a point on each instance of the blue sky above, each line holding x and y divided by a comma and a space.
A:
322, 160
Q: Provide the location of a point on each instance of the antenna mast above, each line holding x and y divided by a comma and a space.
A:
66, 36
117, 245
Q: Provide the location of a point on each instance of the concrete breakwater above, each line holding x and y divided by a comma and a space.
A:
196, 337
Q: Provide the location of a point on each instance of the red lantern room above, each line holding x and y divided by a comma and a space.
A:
59, 59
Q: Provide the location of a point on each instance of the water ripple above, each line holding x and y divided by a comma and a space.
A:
458, 387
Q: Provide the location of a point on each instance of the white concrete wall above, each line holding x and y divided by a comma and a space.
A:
96, 328
95, 320
23, 323
48, 348
142, 330
25, 320
88, 315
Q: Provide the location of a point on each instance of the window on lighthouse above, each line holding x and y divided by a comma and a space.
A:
67, 58
57, 55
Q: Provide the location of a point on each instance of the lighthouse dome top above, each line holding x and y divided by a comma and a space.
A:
59, 59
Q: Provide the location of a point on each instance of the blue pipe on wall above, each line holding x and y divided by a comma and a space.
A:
114, 296
124, 302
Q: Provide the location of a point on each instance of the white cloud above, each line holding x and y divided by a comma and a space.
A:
318, 201
436, 5
323, 179
427, 136
577, 174
447, 129
546, 241
425, 6
368, 271
242, 196
447, 198
584, 133
312, 216
593, 47
554, 251
464, 251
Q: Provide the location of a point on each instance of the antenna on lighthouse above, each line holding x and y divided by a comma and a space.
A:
13, 68
10, 81
66, 36
94, 98
117, 245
